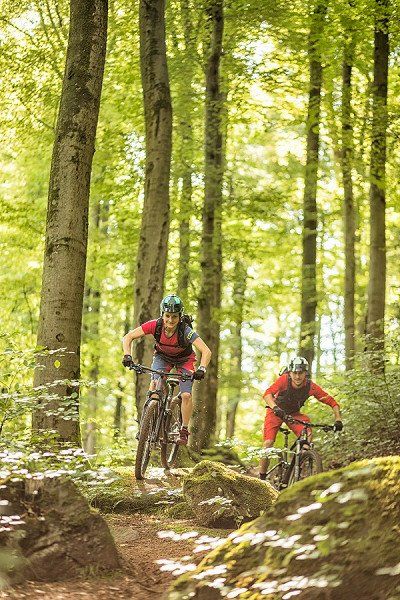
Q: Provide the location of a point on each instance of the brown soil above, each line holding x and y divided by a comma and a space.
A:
140, 547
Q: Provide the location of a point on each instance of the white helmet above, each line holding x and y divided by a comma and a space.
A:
299, 364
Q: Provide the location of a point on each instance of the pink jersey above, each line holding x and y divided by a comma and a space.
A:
169, 346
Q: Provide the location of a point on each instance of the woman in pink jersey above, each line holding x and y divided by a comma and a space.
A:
173, 349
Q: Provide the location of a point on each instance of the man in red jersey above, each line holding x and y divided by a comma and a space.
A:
286, 397
173, 349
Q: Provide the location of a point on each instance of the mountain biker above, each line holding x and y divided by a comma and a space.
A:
286, 396
173, 348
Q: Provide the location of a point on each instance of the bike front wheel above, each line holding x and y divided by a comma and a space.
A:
310, 464
172, 427
144, 443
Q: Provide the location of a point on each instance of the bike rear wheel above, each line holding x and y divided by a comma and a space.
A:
310, 464
172, 426
144, 444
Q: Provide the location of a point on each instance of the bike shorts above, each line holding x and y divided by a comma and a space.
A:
272, 424
188, 366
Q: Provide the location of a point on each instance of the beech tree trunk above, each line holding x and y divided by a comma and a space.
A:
309, 283
67, 221
348, 206
183, 109
235, 389
153, 244
377, 197
205, 406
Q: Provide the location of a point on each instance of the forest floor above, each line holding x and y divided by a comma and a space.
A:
153, 550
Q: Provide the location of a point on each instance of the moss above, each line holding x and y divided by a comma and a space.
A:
335, 534
223, 498
181, 510
125, 494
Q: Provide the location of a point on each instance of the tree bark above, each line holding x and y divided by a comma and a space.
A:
235, 389
184, 108
309, 285
377, 197
204, 416
153, 244
67, 220
349, 224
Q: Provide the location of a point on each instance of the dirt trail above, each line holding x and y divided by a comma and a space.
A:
140, 547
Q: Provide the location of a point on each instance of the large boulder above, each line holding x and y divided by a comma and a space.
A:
334, 535
221, 497
51, 533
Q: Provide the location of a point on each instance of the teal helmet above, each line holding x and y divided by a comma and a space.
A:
298, 364
171, 304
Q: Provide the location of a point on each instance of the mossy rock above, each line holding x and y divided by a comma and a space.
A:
334, 535
227, 456
126, 495
220, 497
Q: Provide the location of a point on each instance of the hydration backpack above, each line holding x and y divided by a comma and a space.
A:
292, 399
185, 321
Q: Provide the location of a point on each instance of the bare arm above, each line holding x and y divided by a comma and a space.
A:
129, 337
204, 351
336, 412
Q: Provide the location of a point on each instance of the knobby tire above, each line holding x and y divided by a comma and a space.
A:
172, 425
143, 448
310, 464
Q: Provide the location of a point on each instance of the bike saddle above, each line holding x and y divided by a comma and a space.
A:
284, 429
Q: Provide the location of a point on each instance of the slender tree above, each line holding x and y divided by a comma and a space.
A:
348, 202
310, 211
152, 252
67, 219
377, 196
204, 417
235, 389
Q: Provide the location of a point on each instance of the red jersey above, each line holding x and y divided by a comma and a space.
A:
281, 387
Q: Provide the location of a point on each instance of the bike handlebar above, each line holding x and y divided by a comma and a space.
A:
140, 369
323, 426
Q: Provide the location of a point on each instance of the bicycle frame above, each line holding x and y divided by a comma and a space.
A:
166, 380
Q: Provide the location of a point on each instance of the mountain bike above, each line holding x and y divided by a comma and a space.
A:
161, 420
298, 461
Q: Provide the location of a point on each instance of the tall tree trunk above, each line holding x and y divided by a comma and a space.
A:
67, 218
348, 206
309, 285
204, 417
377, 272
91, 322
153, 244
184, 109
235, 389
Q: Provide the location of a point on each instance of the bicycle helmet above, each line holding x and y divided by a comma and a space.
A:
298, 364
171, 304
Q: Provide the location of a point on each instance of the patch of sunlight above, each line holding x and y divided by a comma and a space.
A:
206, 543
293, 517
177, 537
389, 570
287, 542
333, 489
305, 509
236, 592
357, 495
266, 587
175, 567
217, 500
218, 583
218, 570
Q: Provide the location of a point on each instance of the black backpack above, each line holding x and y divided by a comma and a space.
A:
285, 400
183, 342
